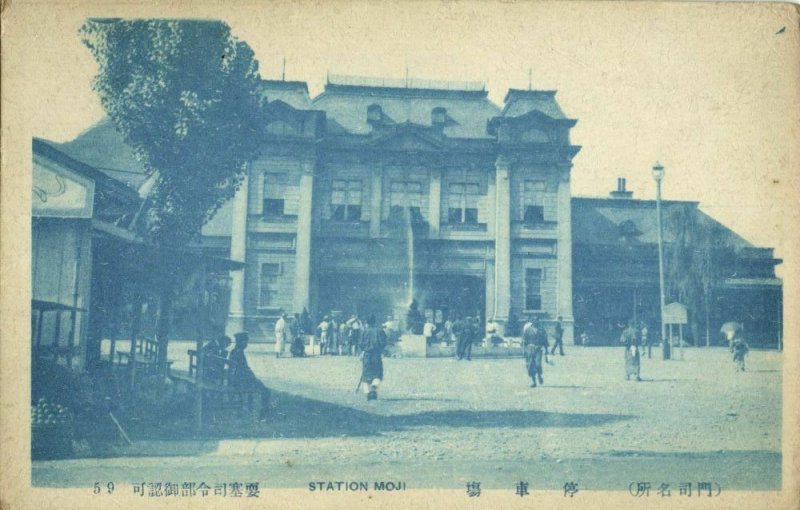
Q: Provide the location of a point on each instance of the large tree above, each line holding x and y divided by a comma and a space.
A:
696, 262
184, 95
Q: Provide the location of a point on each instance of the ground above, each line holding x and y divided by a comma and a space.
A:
441, 423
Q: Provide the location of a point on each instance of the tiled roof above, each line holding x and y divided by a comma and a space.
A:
468, 110
599, 221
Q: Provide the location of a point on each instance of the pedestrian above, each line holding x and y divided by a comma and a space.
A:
373, 342
323, 328
242, 378
333, 337
739, 348
631, 339
298, 346
355, 326
448, 331
428, 330
646, 341
558, 337
281, 334
534, 342
473, 333
460, 332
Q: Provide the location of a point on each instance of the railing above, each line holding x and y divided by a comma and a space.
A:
409, 83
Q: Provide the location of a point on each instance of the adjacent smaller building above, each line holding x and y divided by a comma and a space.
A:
615, 271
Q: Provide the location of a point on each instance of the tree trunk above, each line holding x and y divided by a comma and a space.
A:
164, 320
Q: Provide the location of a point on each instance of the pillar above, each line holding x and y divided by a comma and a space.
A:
302, 275
235, 321
502, 242
564, 250
375, 192
435, 203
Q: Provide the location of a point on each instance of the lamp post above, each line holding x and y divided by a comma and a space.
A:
658, 176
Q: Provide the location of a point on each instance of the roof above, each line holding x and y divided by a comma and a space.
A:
293, 93
104, 148
52, 151
603, 220
468, 110
519, 102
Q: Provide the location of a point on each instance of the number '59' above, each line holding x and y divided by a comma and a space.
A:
98, 489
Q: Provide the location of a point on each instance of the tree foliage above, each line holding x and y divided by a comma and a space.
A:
696, 262
184, 95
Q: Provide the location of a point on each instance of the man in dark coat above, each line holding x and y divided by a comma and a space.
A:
558, 337
241, 377
534, 342
631, 339
214, 354
373, 341
459, 330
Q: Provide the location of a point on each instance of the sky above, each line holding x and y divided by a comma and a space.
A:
708, 90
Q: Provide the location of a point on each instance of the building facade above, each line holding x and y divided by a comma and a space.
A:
373, 194
717, 274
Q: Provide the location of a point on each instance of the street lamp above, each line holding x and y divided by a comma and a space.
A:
658, 176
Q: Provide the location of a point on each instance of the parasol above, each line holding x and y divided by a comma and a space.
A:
729, 329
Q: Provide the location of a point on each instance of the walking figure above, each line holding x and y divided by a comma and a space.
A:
739, 348
558, 336
373, 342
631, 339
534, 341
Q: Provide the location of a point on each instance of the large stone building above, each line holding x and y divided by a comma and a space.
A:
374, 193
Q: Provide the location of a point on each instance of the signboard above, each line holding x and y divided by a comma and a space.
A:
675, 313
60, 193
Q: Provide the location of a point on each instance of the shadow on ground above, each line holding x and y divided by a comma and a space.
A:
295, 417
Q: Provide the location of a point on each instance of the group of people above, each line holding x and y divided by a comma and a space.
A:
341, 338
240, 376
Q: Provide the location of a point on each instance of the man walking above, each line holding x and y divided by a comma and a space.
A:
460, 332
558, 336
630, 339
373, 340
534, 341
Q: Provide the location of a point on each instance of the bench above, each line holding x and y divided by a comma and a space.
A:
215, 390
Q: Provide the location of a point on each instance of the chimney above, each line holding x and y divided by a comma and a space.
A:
621, 192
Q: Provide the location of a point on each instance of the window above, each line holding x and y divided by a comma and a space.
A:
406, 195
533, 289
346, 200
268, 283
533, 202
462, 202
275, 186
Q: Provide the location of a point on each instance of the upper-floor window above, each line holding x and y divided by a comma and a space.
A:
275, 186
533, 289
406, 196
533, 202
346, 200
462, 202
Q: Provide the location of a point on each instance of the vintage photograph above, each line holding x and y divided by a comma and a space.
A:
378, 249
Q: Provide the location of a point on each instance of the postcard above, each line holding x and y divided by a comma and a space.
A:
408, 254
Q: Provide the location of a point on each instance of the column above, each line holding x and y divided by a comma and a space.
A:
565, 254
375, 192
435, 203
502, 241
302, 275
235, 321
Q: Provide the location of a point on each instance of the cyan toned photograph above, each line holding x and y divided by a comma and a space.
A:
494, 249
